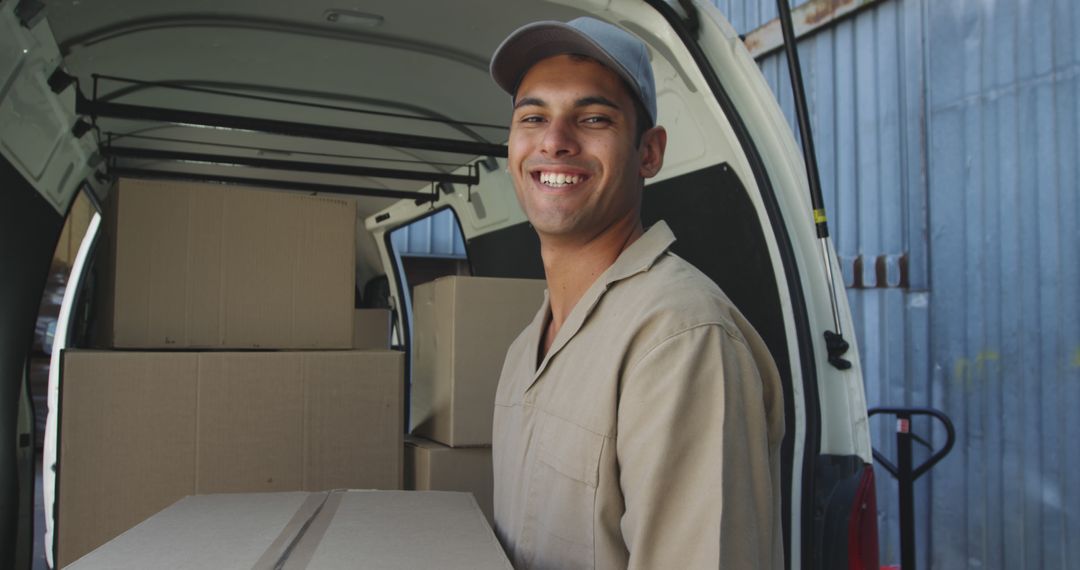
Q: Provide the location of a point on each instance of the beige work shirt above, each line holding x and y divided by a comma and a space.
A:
649, 435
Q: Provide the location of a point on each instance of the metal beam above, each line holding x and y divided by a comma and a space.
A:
809, 18
420, 197
85, 106
291, 165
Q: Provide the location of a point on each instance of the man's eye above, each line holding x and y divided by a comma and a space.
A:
530, 119
596, 120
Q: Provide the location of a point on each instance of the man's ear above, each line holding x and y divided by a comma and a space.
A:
653, 143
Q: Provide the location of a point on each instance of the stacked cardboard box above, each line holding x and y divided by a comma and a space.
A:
205, 267
463, 327
371, 329
141, 430
432, 466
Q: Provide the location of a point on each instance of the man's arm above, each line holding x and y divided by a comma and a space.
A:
699, 477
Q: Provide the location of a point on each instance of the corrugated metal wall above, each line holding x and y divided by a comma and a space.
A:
947, 132
1004, 128
437, 235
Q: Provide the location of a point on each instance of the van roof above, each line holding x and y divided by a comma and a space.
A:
302, 63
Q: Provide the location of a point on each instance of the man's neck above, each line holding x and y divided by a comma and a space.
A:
571, 267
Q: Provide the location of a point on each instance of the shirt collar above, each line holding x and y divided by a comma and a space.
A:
638, 258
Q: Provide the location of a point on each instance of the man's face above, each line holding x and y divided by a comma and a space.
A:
572, 150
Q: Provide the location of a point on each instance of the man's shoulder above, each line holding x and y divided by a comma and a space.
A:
675, 295
674, 302
675, 283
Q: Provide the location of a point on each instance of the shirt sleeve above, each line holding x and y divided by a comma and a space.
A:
698, 452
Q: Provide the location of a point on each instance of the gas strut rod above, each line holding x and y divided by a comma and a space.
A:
834, 340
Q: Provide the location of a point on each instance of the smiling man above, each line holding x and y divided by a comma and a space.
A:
639, 416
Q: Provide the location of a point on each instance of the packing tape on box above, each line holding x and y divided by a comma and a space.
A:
296, 543
304, 546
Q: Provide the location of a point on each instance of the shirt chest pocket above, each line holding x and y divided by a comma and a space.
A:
562, 495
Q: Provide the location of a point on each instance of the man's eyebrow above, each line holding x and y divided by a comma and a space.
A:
596, 100
525, 101
583, 102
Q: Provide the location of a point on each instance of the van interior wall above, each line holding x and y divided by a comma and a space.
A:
29, 230
510, 252
368, 263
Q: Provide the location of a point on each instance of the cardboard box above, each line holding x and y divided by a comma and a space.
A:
205, 266
462, 329
371, 329
140, 430
432, 466
338, 529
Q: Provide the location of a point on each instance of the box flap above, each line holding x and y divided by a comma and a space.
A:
402, 530
209, 531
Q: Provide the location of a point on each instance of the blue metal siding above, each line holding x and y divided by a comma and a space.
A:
1003, 217
437, 235
746, 15
949, 130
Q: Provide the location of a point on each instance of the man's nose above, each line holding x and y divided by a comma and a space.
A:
559, 139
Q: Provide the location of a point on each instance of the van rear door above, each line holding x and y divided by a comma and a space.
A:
734, 190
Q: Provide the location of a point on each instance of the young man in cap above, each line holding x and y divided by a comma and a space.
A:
639, 416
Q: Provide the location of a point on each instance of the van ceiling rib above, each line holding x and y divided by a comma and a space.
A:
418, 113
113, 136
95, 109
205, 20
292, 165
420, 197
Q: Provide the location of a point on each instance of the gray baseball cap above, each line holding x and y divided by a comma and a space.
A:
614, 47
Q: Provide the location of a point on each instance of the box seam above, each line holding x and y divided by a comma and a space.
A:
305, 425
452, 368
198, 421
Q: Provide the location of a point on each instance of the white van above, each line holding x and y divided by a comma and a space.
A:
390, 101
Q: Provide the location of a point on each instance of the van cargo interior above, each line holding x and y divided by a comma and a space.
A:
396, 110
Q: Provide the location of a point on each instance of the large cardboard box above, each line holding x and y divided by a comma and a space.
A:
205, 266
371, 329
463, 327
339, 529
140, 430
432, 466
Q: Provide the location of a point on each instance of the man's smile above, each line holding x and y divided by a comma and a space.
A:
558, 178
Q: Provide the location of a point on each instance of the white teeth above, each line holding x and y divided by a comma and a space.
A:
558, 179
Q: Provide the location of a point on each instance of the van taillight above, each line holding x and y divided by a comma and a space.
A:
862, 525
